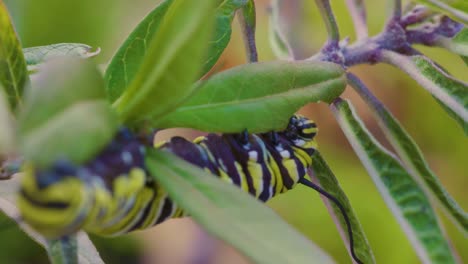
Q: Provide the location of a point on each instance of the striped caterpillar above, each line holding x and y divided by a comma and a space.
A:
113, 193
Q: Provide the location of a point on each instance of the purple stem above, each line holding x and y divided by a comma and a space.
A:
247, 22
396, 10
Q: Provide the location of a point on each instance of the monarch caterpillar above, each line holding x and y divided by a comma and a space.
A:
113, 194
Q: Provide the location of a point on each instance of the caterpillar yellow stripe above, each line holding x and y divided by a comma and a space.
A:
113, 193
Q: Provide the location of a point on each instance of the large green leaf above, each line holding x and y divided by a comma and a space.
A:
36, 55
328, 181
232, 215
13, 72
126, 63
87, 253
7, 131
410, 153
66, 114
257, 96
450, 92
171, 64
405, 198
458, 9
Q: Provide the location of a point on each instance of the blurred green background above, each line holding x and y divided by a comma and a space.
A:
105, 23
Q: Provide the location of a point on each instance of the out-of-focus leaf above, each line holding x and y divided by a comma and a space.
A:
450, 92
278, 40
13, 72
247, 18
457, 9
172, 62
129, 57
127, 61
328, 181
258, 96
87, 253
37, 55
357, 10
407, 201
230, 214
66, 114
7, 131
410, 153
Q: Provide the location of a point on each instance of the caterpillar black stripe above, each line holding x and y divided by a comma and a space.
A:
113, 194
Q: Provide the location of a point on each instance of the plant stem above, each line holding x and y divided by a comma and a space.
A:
330, 22
396, 10
247, 21
357, 10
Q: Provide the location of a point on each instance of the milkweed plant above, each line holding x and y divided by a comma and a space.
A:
56, 104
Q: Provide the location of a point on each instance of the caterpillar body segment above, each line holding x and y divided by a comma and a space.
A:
113, 193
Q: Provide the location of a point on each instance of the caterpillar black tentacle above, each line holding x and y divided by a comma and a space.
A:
113, 193
332, 198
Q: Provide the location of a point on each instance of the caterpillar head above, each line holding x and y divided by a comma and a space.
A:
301, 129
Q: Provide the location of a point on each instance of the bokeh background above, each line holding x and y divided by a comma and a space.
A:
105, 24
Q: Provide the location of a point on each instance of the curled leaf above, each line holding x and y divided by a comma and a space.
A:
36, 55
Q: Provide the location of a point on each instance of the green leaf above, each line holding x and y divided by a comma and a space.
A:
87, 253
225, 11
7, 131
126, 63
258, 96
68, 102
247, 19
328, 181
450, 92
410, 154
228, 213
457, 9
407, 201
13, 72
37, 55
172, 63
